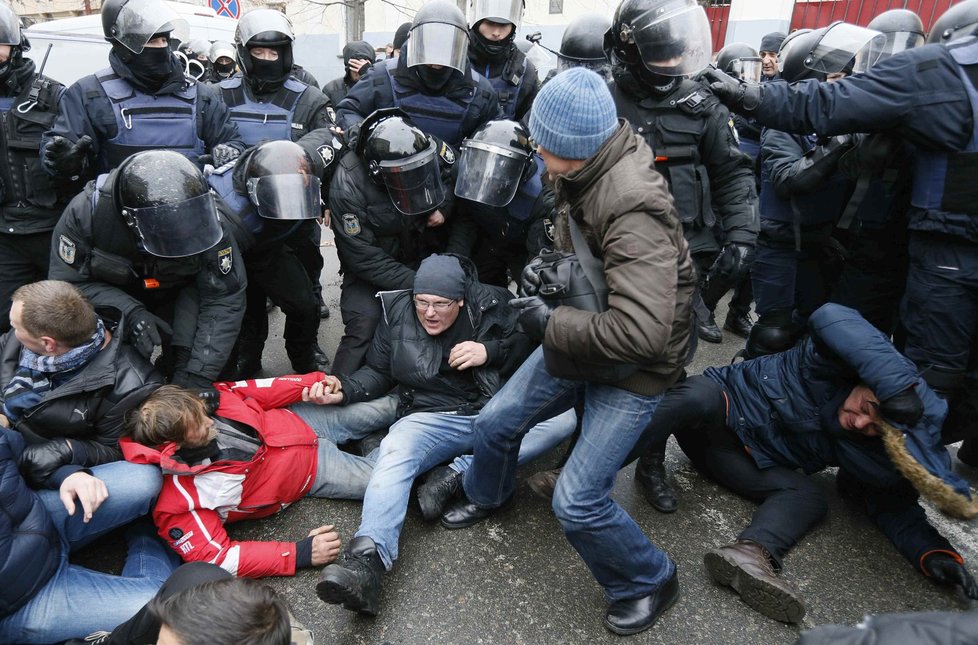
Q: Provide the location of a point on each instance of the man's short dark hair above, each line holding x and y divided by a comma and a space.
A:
225, 612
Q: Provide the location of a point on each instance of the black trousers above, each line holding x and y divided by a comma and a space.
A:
790, 502
280, 275
23, 259
361, 312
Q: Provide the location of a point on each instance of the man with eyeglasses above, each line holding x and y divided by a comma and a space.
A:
447, 345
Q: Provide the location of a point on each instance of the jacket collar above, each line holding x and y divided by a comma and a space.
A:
618, 145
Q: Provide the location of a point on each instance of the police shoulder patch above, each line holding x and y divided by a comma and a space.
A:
351, 224
66, 249
331, 112
447, 154
224, 260
733, 131
548, 228
326, 153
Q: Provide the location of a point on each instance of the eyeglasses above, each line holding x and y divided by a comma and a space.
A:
441, 305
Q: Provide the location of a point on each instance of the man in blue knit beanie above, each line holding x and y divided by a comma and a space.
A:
603, 179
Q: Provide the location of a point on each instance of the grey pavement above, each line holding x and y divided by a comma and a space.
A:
515, 579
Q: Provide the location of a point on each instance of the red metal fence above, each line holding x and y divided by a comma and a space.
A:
819, 13
719, 14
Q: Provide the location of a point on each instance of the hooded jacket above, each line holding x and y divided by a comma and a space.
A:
628, 218
337, 88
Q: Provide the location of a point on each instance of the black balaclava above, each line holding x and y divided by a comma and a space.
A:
152, 67
224, 70
434, 79
268, 75
490, 50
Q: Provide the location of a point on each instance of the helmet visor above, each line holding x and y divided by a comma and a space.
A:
674, 39
501, 11
488, 174
139, 20
9, 27
598, 65
896, 42
414, 183
260, 21
291, 197
843, 43
747, 69
178, 229
438, 43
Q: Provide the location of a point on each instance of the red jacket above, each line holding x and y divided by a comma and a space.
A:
196, 501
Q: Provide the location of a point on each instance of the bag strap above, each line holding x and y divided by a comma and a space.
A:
592, 266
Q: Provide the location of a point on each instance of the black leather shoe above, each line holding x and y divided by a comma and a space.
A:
650, 476
440, 487
310, 358
708, 330
354, 580
627, 617
463, 513
968, 452
247, 366
738, 323
323, 309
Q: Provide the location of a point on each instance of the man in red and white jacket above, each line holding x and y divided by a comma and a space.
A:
262, 445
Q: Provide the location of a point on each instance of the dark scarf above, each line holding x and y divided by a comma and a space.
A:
150, 81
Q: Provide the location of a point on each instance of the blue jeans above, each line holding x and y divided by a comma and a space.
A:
340, 475
77, 601
612, 545
417, 443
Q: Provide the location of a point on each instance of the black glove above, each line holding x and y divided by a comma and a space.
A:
740, 96
947, 571
64, 158
211, 398
905, 408
145, 330
39, 461
534, 315
731, 265
530, 278
222, 153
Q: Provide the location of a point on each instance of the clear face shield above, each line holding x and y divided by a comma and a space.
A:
9, 27
600, 66
414, 184
896, 42
489, 174
673, 40
438, 43
843, 43
286, 197
747, 69
179, 229
138, 20
260, 21
501, 11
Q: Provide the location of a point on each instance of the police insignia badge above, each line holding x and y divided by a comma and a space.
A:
331, 112
351, 224
733, 131
66, 249
548, 228
326, 153
447, 154
224, 260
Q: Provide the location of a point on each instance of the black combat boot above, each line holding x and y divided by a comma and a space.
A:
441, 486
307, 358
650, 475
738, 322
354, 580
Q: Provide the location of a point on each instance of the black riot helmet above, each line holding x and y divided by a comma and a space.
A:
669, 38
439, 35
493, 162
167, 203
130, 24
791, 58
281, 181
740, 60
405, 159
582, 44
903, 30
270, 29
10, 34
958, 21
840, 47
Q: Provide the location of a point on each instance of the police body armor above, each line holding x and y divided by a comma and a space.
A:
437, 115
148, 122
270, 121
945, 181
508, 223
509, 83
259, 233
27, 193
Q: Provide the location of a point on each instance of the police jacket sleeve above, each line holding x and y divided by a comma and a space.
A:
220, 287
359, 102
356, 243
810, 172
732, 186
898, 514
375, 378
325, 150
213, 120
72, 243
76, 111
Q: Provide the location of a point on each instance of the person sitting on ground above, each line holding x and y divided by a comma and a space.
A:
245, 451
842, 397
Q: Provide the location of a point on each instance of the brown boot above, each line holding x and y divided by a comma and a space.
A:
543, 483
746, 567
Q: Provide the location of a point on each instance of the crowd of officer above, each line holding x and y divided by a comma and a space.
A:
186, 184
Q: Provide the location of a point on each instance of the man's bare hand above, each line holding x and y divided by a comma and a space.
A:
4, 422
325, 545
467, 354
88, 490
436, 219
325, 392
356, 64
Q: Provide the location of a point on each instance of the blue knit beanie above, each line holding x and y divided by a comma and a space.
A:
573, 115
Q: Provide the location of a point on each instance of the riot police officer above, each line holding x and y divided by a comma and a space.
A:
582, 44
938, 313
695, 144
273, 189
392, 206
30, 202
147, 239
222, 57
142, 101
500, 184
431, 81
493, 54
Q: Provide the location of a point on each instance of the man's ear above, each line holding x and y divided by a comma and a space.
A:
51, 346
461, 302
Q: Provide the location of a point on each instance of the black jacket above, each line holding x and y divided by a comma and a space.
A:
403, 354
90, 408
